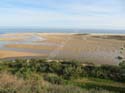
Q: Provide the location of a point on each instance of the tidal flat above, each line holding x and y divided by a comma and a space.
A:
95, 48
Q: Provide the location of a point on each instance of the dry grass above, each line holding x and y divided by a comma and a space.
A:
7, 80
11, 84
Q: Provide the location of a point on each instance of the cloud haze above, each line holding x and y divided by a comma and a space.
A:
108, 14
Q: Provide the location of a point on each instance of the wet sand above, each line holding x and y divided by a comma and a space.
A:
29, 46
9, 54
96, 48
89, 49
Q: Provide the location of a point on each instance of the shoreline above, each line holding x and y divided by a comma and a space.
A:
60, 33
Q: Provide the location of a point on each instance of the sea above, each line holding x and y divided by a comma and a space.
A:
55, 30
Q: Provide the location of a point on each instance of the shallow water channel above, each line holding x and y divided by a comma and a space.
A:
30, 40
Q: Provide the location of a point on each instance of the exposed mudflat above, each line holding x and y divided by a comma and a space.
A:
96, 48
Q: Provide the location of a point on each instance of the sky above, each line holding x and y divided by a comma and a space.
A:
86, 14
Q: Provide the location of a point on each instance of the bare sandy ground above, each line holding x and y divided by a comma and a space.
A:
96, 48
28, 46
7, 54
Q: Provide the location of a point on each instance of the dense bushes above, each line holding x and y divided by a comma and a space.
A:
105, 72
66, 69
122, 64
54, 79
58, 73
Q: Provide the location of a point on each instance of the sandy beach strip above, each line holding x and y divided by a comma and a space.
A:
29, 46
8, 53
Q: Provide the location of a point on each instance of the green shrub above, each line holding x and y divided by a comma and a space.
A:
53, 79
8, 90
122, 64
71, 72
119, 57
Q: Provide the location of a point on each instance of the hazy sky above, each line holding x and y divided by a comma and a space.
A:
108, 14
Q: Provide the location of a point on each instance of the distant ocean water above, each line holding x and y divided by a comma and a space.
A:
45, 30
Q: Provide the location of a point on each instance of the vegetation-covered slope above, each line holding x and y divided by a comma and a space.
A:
54, 76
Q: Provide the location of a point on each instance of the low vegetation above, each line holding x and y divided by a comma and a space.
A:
54, 76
